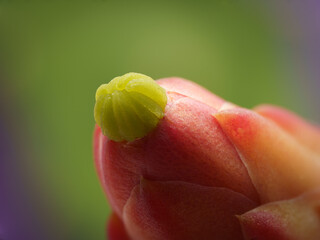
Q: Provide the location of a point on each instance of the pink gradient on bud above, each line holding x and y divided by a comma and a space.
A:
207, 167
308, 134
280, 167
295, 219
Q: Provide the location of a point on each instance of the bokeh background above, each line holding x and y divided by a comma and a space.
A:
54, 55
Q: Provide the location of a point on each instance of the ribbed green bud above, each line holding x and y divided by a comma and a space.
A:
129, 106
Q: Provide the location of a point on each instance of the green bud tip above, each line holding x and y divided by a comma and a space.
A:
129, 106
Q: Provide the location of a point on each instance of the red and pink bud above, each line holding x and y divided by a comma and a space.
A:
206, 169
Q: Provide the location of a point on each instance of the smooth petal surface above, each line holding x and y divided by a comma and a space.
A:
116, 229
178, 210
296, 219
192, 90
279, 166
188, 145
307, 133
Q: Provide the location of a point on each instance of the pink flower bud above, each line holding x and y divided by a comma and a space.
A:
207, 168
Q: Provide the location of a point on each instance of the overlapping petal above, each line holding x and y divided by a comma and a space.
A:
295, 219
179, 210
279, 166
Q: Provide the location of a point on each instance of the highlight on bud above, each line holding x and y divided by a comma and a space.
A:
129, 106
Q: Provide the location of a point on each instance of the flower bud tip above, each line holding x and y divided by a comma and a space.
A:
129, 106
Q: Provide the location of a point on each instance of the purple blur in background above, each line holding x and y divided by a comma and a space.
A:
20, 216
299, 22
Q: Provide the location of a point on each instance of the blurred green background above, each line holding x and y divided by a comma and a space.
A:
55, 55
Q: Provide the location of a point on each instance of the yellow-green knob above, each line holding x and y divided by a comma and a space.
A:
129, 106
